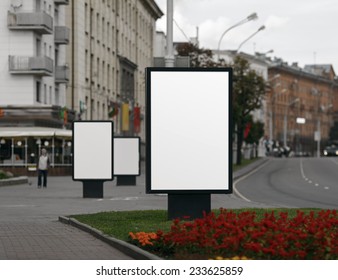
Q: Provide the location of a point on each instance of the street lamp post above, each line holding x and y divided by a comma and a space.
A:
247, 39
286, 121
169, 58
318, 132
253, 16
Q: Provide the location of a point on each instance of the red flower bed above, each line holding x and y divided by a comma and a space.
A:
312, 236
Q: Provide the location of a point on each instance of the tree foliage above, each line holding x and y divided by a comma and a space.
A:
199, 57
247, 96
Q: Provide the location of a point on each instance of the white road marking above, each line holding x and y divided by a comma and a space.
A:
17, 205
125, 198
244, 177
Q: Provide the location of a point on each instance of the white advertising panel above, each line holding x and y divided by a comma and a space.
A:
127, 156
188, 130
93, 150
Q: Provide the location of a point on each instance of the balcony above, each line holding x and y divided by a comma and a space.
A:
30, 65
61, 74
40, 22
61, 35
61, 2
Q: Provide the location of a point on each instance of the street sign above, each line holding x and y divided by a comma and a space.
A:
317, 136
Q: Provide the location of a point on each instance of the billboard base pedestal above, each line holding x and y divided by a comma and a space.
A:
188, 205
126, 180
92, 189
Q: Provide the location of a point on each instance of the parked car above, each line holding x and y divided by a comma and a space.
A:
331, 151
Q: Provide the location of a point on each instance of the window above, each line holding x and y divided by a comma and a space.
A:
98, 27
86, 63
103, 73
50, 95
108, 76
38, 47
38, 5
45, 93
38, 91
98, 70
57, 96
103, 31
86, 17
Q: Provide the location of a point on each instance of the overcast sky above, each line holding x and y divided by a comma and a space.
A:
303, 31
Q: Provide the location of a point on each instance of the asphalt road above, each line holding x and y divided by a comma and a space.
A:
293, 182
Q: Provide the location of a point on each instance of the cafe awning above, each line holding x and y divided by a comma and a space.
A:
34, 132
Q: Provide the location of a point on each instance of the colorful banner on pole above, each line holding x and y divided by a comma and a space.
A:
125, 117
137, 119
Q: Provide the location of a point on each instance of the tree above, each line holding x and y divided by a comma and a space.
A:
198, 57
248, 91
255, 133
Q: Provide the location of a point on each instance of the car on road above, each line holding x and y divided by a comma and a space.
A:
331, 151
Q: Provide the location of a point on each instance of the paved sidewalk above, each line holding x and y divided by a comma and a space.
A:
52, 241
28, 216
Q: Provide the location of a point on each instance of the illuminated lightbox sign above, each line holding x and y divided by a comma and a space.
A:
188, 145
126, 156
93, 150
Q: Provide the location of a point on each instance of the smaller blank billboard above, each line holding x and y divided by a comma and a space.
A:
188, 144
93, 150
127, 156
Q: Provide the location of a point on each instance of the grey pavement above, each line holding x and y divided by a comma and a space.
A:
28, 216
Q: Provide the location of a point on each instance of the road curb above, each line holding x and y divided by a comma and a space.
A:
249, 168
127, 248
14, 181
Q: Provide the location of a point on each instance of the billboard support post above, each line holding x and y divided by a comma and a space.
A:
189, 206
92, 189
126, 180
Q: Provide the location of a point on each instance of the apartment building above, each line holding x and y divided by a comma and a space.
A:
33, 80
294, 95
33, 76
110, 47
301, 105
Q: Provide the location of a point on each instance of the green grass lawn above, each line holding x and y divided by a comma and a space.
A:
119, 224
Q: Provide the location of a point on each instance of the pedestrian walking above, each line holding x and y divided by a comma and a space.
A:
43, 169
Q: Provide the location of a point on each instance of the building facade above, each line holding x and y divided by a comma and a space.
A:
110, 47
33, 79
294, 95
33, 75
301, 105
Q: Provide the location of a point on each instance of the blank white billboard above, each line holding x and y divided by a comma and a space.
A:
188, 130
93, 150
127, 156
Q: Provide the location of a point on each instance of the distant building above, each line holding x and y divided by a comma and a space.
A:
309, 93
112, 44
